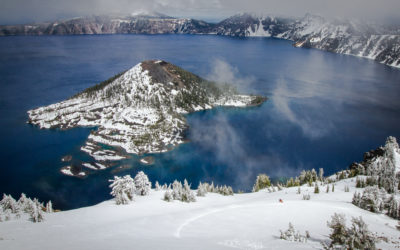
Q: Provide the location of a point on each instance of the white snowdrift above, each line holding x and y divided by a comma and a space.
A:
242, 221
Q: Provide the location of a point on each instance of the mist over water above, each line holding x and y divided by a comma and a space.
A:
324, 110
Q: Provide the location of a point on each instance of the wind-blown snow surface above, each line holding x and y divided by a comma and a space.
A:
140, 111
242, 221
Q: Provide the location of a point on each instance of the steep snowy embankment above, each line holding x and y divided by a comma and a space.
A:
242, 221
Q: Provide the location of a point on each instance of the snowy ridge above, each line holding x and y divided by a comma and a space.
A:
339, 36
139, 111
351, 37
382, 162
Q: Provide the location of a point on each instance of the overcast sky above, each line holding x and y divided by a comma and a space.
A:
19, 11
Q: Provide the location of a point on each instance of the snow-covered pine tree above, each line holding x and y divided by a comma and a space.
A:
262, 182
7, 214
356, 198
157, 186
201, 190
393, 208
372, 199
23, 203
327, 188
333, 187
36, 212
38, 203
290, 182
212, 188
338, 235
297, 181
358, 236
230, 190
168, 196
314, 175
321, 174
360, 183
142, 184
316, 189
123, 189
8, 202
177, 190
187, 193
292, 235
346, 188
49, 207
298, 190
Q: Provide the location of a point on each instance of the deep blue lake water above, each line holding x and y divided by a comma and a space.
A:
324, 110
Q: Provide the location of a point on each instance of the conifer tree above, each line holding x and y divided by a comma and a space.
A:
262, 182
358, 236
393, 210
201, 190
356, 199
321, 174
8, 202
23, 203
187, 194
314, 175
316, 189
157, 186
49, 207
176, 190
123, 189
338, 228
168, 196
142, 184
36, 212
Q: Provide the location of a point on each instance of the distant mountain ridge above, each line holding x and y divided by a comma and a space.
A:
376, 42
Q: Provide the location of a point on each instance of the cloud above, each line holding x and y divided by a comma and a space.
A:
223, 72
230, 146
312, 125
39, 10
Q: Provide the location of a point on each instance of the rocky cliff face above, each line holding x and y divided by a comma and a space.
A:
140, 110
382, 165
375, 42
140, 24
378, 43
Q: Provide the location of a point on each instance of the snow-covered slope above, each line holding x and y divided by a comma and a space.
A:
140, 110
242, 221
350, 37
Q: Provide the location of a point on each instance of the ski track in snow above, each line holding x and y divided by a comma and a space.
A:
197, 217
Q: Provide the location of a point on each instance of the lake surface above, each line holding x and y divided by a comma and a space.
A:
324, 110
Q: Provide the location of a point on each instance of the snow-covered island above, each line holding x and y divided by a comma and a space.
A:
140, 110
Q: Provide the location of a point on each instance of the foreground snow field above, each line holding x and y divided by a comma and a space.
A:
242, 221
